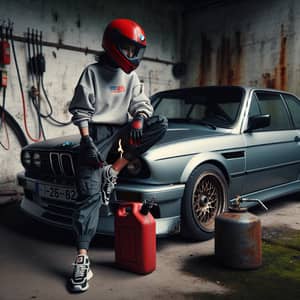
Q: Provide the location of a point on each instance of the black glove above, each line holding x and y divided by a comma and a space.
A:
136, 131
89, 154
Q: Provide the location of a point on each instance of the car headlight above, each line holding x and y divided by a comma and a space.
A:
135, 167
26, 159
36, 159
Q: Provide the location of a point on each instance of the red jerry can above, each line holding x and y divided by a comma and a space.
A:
135, 238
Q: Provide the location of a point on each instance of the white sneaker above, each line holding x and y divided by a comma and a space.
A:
109, 180
81, 274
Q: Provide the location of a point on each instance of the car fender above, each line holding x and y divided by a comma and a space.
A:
205, 157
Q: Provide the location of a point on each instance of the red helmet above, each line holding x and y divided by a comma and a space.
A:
121, 32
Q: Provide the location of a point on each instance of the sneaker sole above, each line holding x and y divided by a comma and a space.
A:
79, 288
90, 275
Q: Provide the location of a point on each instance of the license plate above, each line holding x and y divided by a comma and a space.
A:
57, 192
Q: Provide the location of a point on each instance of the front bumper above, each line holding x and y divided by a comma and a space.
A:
59, 212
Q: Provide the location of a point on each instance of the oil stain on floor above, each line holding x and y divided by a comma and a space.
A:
277, 278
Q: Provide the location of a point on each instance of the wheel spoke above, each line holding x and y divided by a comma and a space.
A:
207, 200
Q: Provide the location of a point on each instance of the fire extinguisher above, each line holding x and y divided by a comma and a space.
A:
4, 48
4, 56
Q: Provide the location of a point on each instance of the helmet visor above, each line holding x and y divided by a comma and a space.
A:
132, 51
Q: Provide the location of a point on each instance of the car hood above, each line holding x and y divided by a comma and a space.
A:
177, 134
65, 143
181, 133
182, 140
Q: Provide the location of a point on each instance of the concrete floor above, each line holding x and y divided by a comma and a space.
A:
36, 261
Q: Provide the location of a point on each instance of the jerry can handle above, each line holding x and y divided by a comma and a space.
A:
126, 209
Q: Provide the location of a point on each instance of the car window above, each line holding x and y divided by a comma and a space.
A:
212, 106
272, 104
197, 111
173, 108
231, 109
293, 104
254, 108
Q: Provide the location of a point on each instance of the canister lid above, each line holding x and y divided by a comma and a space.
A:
238, 209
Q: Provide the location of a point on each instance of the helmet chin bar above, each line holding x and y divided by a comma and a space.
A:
127, 64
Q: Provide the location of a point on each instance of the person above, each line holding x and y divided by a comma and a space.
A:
110, 108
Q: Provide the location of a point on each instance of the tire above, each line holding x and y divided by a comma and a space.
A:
205, 197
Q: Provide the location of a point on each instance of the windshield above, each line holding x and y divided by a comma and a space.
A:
211, 106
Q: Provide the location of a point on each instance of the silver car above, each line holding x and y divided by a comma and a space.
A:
221, 142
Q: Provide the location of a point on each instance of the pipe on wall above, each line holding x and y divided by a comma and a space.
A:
85, 50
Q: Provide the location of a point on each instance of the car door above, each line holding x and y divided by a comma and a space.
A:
272, 153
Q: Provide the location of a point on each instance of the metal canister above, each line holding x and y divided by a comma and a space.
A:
238, 239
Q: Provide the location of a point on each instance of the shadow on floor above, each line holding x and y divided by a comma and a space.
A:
14, 219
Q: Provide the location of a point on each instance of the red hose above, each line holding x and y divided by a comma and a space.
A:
25, 120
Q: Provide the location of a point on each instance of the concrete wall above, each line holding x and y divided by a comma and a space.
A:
81, 23
233, 42
244, 42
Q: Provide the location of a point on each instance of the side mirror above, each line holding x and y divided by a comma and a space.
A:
258, 121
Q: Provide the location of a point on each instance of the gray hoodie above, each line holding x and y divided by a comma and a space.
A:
108, 95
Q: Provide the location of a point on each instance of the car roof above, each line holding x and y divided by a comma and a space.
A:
193, 90
234, 88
